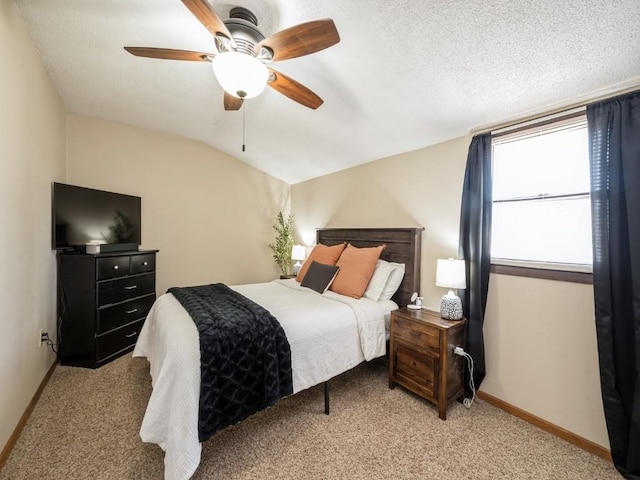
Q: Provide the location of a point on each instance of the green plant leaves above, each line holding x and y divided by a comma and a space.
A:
283, 243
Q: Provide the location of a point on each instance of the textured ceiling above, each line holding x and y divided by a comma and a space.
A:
406, 74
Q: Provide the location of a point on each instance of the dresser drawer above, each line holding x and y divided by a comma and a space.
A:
120, 289
112, 267
419, 334
416, 371
120, 314
117, 340
143, 263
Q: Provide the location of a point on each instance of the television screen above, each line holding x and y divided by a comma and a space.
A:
84, 215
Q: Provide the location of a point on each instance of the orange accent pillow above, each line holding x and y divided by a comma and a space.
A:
356, 268
321, 254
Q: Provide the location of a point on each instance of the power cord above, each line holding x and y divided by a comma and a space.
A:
54, 346
467, 402
50, 343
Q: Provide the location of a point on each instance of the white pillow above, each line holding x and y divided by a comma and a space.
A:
378, 280
393, 282
385, 281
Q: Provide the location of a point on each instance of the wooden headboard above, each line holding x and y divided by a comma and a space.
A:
403, 245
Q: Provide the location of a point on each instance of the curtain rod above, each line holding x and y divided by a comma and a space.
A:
565, 108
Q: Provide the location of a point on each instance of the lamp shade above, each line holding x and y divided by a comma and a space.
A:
239, 74
451, 274
298, 252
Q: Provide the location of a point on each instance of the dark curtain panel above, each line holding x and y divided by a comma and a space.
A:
614, 150
475, 248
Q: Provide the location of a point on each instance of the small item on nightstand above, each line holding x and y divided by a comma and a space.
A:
418, 302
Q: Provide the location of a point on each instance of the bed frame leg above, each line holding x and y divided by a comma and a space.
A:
326, 398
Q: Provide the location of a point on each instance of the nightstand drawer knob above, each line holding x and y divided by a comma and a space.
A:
131, 335
115, 267
133, 310
145, 263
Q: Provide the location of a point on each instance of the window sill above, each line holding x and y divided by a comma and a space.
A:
543, 273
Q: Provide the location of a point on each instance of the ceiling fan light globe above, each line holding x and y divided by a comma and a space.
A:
239, 74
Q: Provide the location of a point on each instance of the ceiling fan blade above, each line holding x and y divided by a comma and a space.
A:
231, 102
294, 90
210, 19
302, 39
169, 54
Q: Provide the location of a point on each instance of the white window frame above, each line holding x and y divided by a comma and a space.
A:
580, 273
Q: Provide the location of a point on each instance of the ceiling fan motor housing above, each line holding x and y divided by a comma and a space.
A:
243, 26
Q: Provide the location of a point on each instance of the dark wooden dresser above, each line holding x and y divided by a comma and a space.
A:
421, 357
103, 301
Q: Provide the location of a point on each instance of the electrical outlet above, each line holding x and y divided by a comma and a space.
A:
42, 337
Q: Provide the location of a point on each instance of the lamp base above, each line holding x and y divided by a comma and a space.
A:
297, 267
451, 307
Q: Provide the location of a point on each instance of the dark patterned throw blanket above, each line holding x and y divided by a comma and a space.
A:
245, 359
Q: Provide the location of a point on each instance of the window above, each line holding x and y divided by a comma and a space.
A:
541, 206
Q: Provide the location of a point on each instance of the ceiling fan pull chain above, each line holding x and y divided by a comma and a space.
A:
244, 109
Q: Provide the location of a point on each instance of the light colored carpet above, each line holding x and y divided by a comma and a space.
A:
86, 424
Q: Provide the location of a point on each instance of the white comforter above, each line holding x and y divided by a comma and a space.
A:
328, 335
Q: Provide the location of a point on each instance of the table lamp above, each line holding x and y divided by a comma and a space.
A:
451, 274
298, 253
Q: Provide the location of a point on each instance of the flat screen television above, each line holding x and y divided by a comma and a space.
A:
84, 216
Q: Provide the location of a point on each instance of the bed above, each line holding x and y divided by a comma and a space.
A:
328, 335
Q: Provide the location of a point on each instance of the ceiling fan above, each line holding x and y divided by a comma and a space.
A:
240, 65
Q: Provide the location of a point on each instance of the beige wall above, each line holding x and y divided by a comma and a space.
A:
420, 188
539, 335
209, 214
541, 352
32, 153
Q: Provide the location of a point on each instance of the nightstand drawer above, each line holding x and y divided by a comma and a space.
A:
417, 333
416, 371
115, 316
117, 340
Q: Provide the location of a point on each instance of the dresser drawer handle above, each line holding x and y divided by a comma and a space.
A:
413, 333
131, 335
145, 263
131, 287
133, 310
115, 267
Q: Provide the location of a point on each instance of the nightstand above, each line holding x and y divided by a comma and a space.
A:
421, 357
284, 277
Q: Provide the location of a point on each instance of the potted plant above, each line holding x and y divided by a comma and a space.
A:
283, 243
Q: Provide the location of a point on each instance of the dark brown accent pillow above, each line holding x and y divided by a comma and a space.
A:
319, 276
321, 254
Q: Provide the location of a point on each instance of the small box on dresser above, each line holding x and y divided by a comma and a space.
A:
103, 301
421, 357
